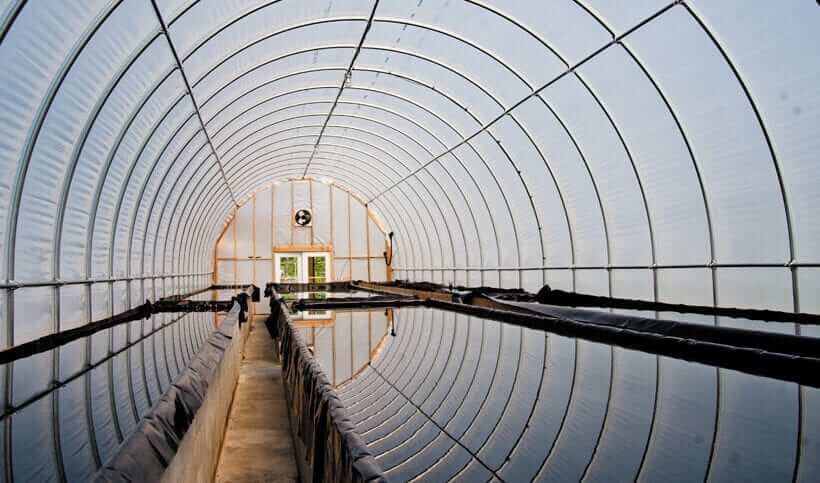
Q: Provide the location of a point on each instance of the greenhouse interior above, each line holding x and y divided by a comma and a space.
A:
409, 240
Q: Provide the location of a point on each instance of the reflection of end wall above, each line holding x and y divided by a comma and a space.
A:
345, 342
264, 223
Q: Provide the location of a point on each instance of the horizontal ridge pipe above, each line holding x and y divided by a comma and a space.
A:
13, 285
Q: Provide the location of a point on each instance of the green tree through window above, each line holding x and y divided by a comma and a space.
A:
317, 269
288, 270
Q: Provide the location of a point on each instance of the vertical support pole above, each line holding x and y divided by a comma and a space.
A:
332, 246
110, 367
273, 230
369, 336
290, 218
367, 239
92, 435
55, 380
9, 394
310, 194
253, 241
333, 351
235, 222
215, 264
352, 347
388, 249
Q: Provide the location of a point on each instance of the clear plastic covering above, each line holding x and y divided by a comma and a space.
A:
661, 149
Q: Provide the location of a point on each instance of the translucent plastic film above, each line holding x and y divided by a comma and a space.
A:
656, 149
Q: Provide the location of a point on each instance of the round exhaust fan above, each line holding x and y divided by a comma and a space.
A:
303, 217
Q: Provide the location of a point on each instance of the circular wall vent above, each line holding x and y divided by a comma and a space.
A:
303, 217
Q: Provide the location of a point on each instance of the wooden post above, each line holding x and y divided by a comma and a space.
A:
235, 222
253, 238
273, 230
367, 239
332, 258
310, 194
349, 240
290, 218
388, 249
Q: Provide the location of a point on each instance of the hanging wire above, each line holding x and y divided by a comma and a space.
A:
193, 99
346, 82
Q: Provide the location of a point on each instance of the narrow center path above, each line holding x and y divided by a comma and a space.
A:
258, 445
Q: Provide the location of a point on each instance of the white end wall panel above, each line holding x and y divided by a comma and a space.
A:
256, 221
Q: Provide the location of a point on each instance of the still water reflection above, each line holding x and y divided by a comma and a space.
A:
343, 342
67, 410
453, 396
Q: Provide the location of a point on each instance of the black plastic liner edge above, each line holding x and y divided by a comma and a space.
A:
550, 296
334, 449
352, 303
176, 303
573, 299
148, 451
788, 367
789, 344
271, 287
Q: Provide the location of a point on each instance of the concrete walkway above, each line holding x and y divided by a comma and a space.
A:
258, 445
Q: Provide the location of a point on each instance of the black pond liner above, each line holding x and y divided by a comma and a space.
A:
148, 451
333, 449
595, 393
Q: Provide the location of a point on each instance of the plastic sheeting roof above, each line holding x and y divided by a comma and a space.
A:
650, 149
